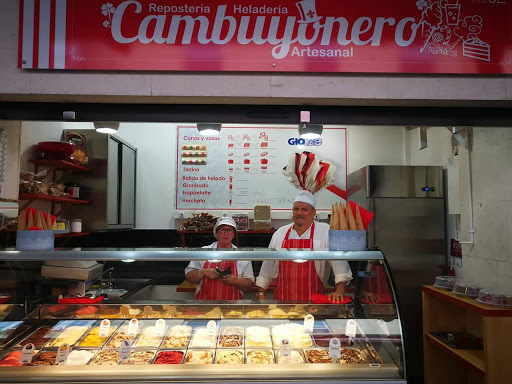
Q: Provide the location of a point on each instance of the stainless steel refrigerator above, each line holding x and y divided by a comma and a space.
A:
409, 227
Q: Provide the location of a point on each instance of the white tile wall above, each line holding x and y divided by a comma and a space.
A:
9, 25
11, 79
484, 137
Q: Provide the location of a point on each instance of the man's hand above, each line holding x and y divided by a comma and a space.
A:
209, 273
231, 280
336, 297
371, 297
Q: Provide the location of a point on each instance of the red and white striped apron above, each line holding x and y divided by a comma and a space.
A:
217, 289
297, 281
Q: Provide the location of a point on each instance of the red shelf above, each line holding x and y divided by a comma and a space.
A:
55, 199
72, 234
60, 164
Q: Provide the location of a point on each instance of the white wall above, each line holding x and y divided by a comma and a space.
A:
489, 260
374, 145
156, 160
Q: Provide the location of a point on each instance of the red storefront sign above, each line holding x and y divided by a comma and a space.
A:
408, 36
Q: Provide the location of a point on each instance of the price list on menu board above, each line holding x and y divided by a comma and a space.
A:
242, 167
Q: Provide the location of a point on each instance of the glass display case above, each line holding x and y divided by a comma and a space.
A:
159, 332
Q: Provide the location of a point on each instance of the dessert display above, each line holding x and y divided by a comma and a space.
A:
79, 357
139, 358
229, 357
8, 335
260, 357
465, 288
351, 356
148, 338
233, 314
110, 312
44, 358
38, 338
231, 337
495, 297
256, 314
446, 282
87, 312
199, 357
93, 339
177, 337
201, 339
106, 358
318, 356
294, 358
12, 359
169, 357
294, 333
214, 313
323, 339
69, 336
118, 337
258, 337
277, 313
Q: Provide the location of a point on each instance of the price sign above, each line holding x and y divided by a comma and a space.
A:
125, 350
133, 326
285, 348
212, 329
351, 329
104, 328
334, 348
27, 353
160, 327
62, 354
309, 323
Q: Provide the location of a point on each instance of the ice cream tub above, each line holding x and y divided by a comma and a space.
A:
347, 240
169, 357
35, 240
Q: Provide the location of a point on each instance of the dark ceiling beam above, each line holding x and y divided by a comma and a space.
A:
260, 114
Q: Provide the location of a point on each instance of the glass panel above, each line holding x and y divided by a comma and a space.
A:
149, 285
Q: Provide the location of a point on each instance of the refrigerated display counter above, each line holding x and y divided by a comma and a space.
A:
180, 339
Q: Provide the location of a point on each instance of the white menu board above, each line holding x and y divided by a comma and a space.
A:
242, 167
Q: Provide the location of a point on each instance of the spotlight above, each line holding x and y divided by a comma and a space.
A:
209, 129
310, 131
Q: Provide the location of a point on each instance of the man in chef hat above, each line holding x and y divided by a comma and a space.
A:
237, 277
300, 280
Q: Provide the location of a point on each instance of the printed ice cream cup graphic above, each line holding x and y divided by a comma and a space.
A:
307, 10
247, 161
264, 145
231, 145
264, 169
230, 169
246, 169
264, 161
230, 161
247, 145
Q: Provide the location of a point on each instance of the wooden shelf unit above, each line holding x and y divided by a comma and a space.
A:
445, 311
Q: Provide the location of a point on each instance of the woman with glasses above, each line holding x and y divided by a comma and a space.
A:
223, 280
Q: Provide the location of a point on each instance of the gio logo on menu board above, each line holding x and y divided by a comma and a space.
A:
306, 142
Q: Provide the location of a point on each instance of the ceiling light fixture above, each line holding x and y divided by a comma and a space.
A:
106, 127
310, 131
209, 129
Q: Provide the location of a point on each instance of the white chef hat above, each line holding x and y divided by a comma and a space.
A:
306, 197
223, 221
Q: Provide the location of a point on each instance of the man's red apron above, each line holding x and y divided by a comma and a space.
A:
297, 281
217, 289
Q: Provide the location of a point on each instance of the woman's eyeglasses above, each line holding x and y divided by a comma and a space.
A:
227, 231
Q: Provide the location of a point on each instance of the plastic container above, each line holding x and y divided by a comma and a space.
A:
73, 189
446, 282
262, 225
242, 222
347, 240
76, 225
495, 296
35, 240
465, 288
